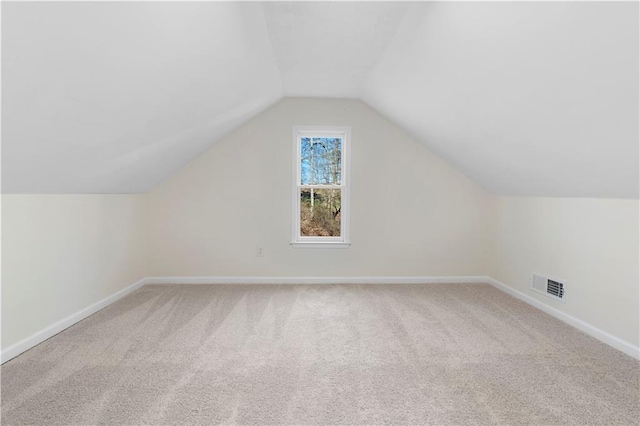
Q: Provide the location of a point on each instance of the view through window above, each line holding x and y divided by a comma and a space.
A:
320, 186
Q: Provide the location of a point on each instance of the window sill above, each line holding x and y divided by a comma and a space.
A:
320, 244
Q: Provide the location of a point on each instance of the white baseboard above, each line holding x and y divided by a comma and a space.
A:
59, 326
591, 330
317, 280
585, 327
39, 337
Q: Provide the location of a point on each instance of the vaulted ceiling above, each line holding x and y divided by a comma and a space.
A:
524, 98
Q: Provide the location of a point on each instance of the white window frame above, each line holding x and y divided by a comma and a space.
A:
299, 241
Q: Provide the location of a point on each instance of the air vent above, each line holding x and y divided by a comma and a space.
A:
551, 287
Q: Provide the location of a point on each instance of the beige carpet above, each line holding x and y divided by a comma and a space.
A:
321, 354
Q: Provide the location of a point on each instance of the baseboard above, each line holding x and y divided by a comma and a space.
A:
318, 280
39, 337
583, 326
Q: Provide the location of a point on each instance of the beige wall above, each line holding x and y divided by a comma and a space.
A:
62, 253
411, 213
590, 243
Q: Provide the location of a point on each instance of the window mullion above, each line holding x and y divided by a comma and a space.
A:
313, 167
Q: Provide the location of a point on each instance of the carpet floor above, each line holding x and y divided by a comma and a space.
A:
464, 354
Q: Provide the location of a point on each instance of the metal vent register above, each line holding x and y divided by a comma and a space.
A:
551, 287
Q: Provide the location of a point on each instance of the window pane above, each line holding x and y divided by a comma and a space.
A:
321, 161
320, 212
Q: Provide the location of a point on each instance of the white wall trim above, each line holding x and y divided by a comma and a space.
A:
42, 335
603, 336
318, 280
343, 132
61, 325
39, 337
321, 244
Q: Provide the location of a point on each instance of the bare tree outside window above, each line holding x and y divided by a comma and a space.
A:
320, 208
321, 187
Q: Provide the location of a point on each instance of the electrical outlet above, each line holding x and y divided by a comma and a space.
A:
260, 252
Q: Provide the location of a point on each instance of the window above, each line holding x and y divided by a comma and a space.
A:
321, 187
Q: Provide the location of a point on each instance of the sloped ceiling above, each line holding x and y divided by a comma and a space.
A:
113, 97
524, 98
327, 49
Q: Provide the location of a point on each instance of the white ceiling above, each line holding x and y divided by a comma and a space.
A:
326, 49
524, 98
113, 97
